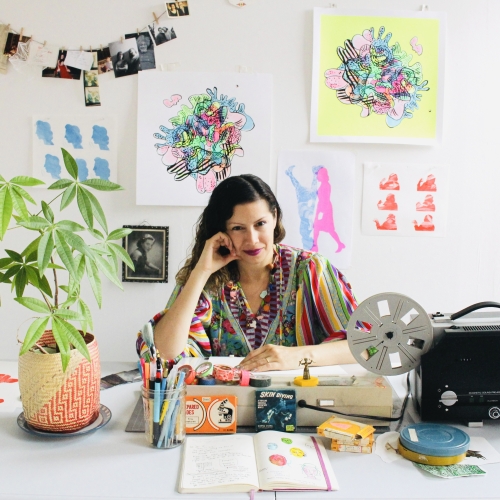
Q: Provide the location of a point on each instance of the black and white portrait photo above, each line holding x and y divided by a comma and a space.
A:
147, 247
161, 34
146, 49
125, 57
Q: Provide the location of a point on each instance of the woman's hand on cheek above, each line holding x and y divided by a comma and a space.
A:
217, 253
272, 357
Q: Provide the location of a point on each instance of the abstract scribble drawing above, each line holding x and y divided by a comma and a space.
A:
388, 225
377, 77
315, 208
204, 139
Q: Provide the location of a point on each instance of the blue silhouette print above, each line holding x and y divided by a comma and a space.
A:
100, 137
83, 171
44, 132
73, 136
101, 168
52, 166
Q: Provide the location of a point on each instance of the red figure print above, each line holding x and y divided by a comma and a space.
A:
388, 204
390, 183
427, 205
428, 185
7, 379
427, 224
323, 220
388, 225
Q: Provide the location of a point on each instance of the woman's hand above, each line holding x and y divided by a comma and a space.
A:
215, 253
273, 357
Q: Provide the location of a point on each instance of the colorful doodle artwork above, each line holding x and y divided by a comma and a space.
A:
204, 138
196, 129
376, 78
394, 197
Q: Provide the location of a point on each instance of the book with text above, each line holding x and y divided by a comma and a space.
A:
269, 460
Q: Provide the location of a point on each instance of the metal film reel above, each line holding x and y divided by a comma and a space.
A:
400, 333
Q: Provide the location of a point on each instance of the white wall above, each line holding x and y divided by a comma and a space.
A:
271, 36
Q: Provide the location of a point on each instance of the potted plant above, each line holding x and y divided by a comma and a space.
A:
59, 370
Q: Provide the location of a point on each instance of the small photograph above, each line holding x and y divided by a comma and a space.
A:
90, 78
61, 70
148, 249
161, 34
146, 49
13, 40
125, 57
92, 96
95, 62
104, 62
177, 9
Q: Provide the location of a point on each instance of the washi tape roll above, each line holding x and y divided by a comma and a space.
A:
226, 373
190, 374
208, 380
204, 369
260, 380
244, 377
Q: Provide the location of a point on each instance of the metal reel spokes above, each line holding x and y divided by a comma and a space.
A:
388, 333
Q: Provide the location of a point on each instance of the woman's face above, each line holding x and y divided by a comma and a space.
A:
251, 229
148, 244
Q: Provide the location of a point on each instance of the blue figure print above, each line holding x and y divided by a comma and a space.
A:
100, 137
52, 166
83, 171
73, 136
101, 168
306, 200
44, 132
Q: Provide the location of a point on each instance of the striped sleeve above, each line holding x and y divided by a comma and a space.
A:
198, 343
325, 302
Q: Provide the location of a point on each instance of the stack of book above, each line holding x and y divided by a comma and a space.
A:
348, 435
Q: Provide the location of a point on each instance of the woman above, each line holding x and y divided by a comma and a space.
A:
62, 70
121, 66
242, 293
139, 256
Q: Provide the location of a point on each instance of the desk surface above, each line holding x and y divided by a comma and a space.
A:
113, 464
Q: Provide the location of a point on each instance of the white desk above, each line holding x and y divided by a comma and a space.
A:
113, 464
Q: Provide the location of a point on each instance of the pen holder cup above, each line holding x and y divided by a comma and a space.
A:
165, 416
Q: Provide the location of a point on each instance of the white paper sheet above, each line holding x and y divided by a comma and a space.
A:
43, 55
79, 59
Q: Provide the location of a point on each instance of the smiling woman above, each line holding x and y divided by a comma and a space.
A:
243, 293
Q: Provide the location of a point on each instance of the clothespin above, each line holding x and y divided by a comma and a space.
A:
425, 7
101, 47
121, 39
156, 18
8, 26
21, 34
138, 31
81, 48
44, 43
90, 48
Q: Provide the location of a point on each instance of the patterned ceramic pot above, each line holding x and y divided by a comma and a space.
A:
57, 401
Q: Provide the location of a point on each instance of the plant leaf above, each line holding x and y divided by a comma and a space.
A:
11, 272
22, 192
19, 204
61, 184
70, 164
75, 242
34, 304
85, 207
56, 266
47, 211
35, 223
108, 270
73, 336
45, 250
5, 210
97, 210
119, 233
32, 275
70, 225
68, 196
102, 185
85, 312
44, 286
96, 234
31, 248
68, 314
5, 262
24, 180
121, 254
20, 281
66, 255
62, 341
14, 256
95, 280
35, 331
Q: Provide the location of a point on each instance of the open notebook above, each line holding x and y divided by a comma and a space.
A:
269, 460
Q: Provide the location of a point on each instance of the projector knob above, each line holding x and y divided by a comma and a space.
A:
448, 398
494, 412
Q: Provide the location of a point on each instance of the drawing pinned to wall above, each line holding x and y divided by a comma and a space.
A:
91, 141
194, 130
316, 193
377, 78
410, 189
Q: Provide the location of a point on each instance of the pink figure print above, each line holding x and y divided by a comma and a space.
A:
388, 204
390, 183
428, 185
427, 224
427, 205
7, 379
323, 220
388, 225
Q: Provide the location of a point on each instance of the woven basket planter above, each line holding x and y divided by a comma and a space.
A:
57, 401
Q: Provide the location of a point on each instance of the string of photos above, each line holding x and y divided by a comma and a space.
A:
134, 52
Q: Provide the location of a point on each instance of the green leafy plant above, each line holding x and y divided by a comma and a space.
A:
62, 254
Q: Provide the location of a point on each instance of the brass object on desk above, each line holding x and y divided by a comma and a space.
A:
306, 380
